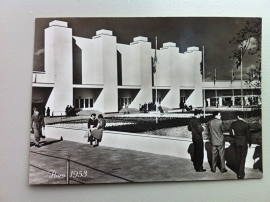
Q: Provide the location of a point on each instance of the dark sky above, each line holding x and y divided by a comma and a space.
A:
214, 33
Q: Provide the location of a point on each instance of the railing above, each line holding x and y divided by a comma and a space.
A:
68, 160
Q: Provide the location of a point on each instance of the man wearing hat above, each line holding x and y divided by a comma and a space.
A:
196, 128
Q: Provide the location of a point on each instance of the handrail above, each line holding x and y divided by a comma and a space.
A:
68, 167
102, 171
49, 172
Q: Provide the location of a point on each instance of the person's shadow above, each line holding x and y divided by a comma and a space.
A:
191, 151
258, 155
44, 143
208, 148
230, 158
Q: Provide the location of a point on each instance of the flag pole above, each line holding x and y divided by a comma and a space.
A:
242, 102
204, 88
156, 81
232, 76
215, 85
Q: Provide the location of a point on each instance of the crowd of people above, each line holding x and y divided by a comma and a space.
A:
216, 128
70, 111
185, 107
146, 107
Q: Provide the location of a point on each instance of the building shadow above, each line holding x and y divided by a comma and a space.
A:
257, 157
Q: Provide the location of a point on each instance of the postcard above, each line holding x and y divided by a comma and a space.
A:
146, 99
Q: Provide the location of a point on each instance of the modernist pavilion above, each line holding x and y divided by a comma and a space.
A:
112, 74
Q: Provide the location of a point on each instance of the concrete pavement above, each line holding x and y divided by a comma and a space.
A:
111, 165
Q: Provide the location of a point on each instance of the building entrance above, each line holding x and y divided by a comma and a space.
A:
83, 103
124, 101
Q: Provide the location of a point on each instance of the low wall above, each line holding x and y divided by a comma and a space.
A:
163, 145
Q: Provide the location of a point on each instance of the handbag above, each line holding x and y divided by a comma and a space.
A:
87, 134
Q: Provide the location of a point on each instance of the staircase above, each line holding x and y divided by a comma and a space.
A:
88, 112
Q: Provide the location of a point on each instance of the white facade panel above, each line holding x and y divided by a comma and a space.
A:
146, 72
174, 93
110, 73
196, 99
96, 61
130, 72
163, 68
63, 60
86, 45
48, 77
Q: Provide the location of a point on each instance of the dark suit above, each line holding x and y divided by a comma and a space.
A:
196, 128
242, 138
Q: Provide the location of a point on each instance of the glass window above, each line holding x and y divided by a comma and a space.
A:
86, 102
76, 103
91, 102
81, 103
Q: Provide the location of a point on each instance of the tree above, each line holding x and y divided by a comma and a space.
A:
248, 40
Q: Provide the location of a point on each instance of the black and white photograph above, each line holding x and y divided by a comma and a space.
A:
145, 99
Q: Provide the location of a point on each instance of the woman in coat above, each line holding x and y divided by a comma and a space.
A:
37, 122
98, 132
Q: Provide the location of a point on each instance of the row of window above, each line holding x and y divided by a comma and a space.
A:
84, 103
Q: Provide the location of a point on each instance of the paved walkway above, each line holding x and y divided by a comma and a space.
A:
111, 165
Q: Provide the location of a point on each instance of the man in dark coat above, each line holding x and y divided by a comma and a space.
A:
48, 111
67, 111
216, 128
242, 138
196, 128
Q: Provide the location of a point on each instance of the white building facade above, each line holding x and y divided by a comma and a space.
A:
114, 74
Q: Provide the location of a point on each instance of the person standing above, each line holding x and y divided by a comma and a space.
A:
92, 123
196, 128
37, 122
98, 132
48, 111
67, 111
242, 138
216, 129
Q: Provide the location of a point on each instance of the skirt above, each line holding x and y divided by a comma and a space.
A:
37, 134
97, 134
